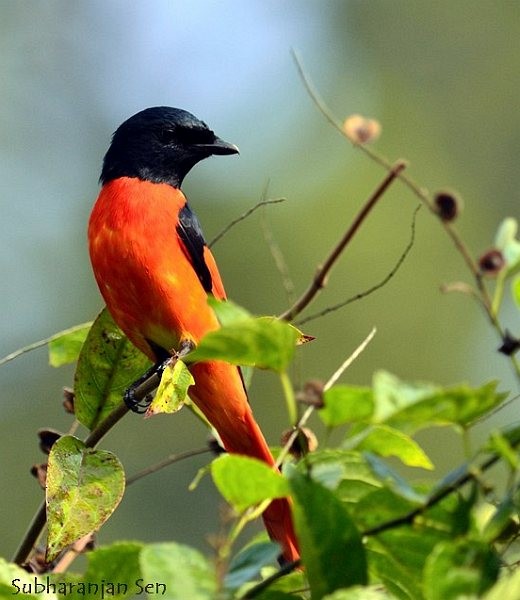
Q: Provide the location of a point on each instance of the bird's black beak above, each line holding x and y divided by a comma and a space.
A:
219, 146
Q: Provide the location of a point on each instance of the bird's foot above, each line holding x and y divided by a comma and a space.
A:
139, 395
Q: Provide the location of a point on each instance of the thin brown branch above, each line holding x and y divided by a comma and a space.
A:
372, 289
169, 460
470, 474
332, 380
243, 216
423, 196
323, 270
268, 581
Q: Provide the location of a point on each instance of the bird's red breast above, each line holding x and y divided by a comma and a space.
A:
143, 269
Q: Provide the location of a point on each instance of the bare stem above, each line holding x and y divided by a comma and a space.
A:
243, 216
372, 289
423, 196
323, 270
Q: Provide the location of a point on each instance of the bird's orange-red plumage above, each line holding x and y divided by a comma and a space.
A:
147, 278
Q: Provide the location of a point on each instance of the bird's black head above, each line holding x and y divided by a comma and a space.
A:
160, 144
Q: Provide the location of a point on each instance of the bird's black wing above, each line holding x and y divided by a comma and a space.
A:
190, 232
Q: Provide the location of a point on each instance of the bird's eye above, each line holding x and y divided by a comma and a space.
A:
167, 136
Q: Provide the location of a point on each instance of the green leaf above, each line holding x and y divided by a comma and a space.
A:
397, 556
515, 289
227, 311
289, 587
12, 581
499, 444
108, 364
386, 441
247, 564
331, 547
263, 342
509, 246
84, 487
64, 347
172, 393
183, 570
507, 588
245, 481
460, 568
346, 404
346, 472
118, 562
379, 507
412, 406
393, 480
391, 395
359, 592
502, 522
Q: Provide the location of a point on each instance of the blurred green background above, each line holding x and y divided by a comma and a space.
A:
442, 77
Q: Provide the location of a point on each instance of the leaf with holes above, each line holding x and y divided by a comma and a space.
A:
84, 487
108, 364
172, 393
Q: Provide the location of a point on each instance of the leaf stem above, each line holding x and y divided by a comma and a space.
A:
41, 343
290, 400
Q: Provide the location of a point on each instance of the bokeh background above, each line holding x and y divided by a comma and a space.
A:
442, 77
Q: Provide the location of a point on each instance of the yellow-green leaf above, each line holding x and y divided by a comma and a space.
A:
84, 487
173, 389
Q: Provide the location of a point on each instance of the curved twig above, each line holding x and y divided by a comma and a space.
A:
318, 281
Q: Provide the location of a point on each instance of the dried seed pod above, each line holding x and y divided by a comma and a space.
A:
304, 442
448, 205
361, 130
491, 262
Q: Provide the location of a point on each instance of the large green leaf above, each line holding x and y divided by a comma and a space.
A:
331, 547
84, 487
397, 556
183, 571
248, 563
227, 311
263, 342
387, 441
392, 395
460, 568
346, 404
507, 588
412, 406
245, 481
346, 472
108, 364
118, 563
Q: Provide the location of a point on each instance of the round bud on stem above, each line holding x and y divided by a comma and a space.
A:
491, 262
448, 205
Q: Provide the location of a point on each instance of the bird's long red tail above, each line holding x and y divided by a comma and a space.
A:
233, 419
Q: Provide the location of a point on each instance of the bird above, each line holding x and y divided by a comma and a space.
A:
155, 273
